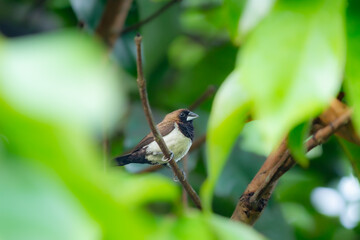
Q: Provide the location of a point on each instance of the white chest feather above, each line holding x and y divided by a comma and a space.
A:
176, 142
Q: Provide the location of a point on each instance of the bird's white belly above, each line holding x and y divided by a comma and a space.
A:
177, 143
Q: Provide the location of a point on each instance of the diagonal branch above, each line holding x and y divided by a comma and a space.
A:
198, 142
112, 20
258, 192
208, 93
150, 18
157, 136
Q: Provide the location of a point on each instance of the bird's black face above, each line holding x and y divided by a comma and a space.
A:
187, 116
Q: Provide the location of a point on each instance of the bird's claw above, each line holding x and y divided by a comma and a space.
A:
166, 160
175, 178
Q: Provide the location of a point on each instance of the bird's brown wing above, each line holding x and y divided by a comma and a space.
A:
164, 128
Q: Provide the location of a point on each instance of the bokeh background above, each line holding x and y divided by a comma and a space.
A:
60, 97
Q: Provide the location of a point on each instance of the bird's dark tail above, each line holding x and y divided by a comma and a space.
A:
123, 160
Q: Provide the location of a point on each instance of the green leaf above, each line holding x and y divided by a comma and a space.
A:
88, 11
31, 196
296, 143
254, 12
48, 130
68, 72
231, 11
206, 227
228, 115
352, 152
352, 71
198, 78
292, 64
228, 230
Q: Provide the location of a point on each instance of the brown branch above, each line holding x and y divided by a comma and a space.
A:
208, 93
186, 171
258, 192
150, 18
112, 20
197, 143
157, 136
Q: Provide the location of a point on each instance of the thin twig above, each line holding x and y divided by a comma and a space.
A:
109, 28
186, 171
112, 21
150, 18
208, 93
198, 142
157, 136
254, 199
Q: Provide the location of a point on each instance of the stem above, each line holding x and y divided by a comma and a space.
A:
157, 136
150, 18
208, 93
112, 21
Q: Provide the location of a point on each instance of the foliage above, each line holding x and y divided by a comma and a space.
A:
280, 63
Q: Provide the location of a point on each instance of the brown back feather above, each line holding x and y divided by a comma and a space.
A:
165, 127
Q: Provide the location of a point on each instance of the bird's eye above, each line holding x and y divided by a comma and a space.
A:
182, 114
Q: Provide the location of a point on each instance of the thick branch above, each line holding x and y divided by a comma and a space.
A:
157, 136
112, 20
150, 18
258, 192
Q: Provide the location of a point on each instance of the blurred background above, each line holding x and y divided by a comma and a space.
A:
188, 48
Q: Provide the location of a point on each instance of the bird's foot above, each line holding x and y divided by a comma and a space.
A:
166, 160
176, 179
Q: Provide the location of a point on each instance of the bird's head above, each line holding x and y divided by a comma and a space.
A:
181, 115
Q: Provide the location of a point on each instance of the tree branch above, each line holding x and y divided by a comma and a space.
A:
150, 18
186, 171
157, 136
112, 20
208, 93
258, 192
197, 143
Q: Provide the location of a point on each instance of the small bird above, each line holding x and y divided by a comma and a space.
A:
178, 132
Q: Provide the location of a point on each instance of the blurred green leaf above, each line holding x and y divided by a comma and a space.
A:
228, 115
184, 53
88, 11
352, 152
296, 143
208, 227
296, 186
352, 71
231, 11
228, 230
298, 216
252, 139
203, 23
254, 11
292, 63
196, 79
36, 205
39, 132
61, 73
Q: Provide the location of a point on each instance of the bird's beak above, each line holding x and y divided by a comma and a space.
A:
191, 116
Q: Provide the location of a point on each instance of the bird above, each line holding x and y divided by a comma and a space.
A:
178, 132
